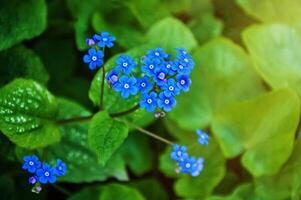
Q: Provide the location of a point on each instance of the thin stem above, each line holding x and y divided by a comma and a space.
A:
102, 84
119, 114
149, 133
74, 120
62, 190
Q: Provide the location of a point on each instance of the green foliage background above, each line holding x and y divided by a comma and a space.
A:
246, 93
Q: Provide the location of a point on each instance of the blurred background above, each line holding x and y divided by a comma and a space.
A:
245, 93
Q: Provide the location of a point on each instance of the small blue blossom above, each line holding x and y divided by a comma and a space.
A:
149, 101
32, 180
189, 165
179, 153
61, 168
31, 163
126, 86
167, 65
182, 51
160, 76
203, 137
112, 77
90, 42
104, 39
157, 53
144, 84
199, 167
46, 174
94, 58
166, 103
183, 82
180, 68
125, 63
149, 65
171, 88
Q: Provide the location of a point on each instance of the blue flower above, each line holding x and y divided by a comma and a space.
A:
157, 53
90, 42
125, 63
160, 76
167, 65
183, 82
32, 180
104, 39
179, 153
149, 65
180, 68
46, 174
126, 86
149, 101
199, 167
61, 168
94, 58
188, 165
31, 163
203, 137
144, 84
112, 77
182, 51
170, 88
166, 103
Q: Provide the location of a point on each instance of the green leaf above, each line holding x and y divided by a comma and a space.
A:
206, 28
260, 128
273, 10
105, 135
137, 152
150, 188
19, 61
220, 66
27, 113
21, 20
82, 13
287, 183
170, 33
213, 172
147, 12
276, 50
91, 193
74, 149
127, 37
119, 192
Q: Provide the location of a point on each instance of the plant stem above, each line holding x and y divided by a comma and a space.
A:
119, 114
102, 84
102, 87
74, 120
149, 133
62, 190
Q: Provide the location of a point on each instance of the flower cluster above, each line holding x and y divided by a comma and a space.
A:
43, 173
95, 55
159, 78
187, 164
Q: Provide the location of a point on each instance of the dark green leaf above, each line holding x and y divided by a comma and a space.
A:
105, 135
27, 113
19, 61
119, 192
73, 149
21, 20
